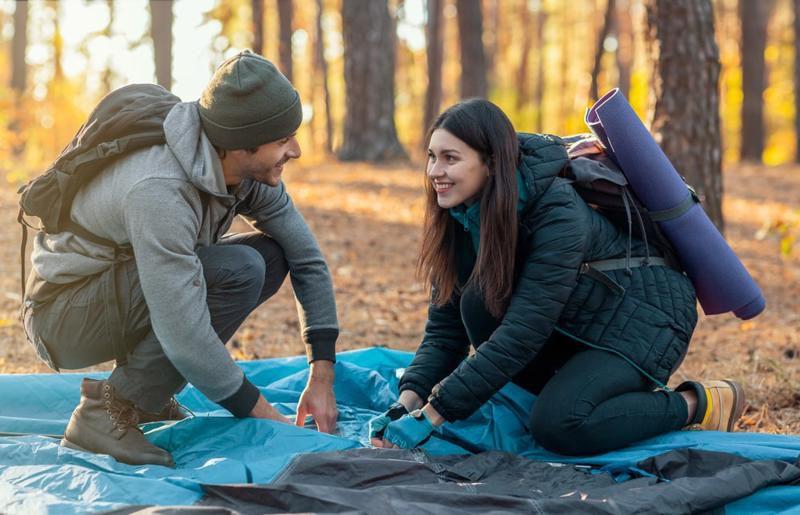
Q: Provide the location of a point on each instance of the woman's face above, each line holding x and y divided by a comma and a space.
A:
456, 170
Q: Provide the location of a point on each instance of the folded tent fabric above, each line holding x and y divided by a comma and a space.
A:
720, 279
400, 481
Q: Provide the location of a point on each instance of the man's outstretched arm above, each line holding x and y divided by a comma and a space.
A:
272, 212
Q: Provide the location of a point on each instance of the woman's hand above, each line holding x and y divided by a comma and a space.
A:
408, 401
411, 430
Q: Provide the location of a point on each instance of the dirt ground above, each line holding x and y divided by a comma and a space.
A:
367, 221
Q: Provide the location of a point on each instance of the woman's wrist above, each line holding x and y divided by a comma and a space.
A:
433, 416
410, 399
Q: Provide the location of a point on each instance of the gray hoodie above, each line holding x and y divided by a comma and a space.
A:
151, 200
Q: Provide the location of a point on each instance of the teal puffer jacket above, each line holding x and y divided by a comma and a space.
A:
648, 320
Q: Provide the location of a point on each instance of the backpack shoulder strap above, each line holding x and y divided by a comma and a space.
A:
23, 246
114, 147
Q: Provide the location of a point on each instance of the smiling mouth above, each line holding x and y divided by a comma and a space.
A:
442, 187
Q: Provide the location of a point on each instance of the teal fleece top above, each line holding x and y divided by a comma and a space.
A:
470, 216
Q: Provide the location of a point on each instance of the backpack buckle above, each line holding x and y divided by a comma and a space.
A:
108, 148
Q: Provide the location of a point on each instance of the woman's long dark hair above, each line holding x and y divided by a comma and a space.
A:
485, 128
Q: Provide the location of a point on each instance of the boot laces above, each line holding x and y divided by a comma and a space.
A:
122, 413
172, 409
175, 409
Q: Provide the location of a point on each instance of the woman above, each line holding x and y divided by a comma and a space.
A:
506, 248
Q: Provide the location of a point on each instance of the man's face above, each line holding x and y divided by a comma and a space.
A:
265, 165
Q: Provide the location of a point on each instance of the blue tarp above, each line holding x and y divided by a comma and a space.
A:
38, 476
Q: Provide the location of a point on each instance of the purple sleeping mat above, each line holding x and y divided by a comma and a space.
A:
720, 279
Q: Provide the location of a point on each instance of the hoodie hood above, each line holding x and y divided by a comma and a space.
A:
193, 150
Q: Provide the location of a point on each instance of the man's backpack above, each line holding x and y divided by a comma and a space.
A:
603, 185
127, 119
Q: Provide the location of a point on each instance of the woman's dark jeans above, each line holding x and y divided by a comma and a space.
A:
589, 401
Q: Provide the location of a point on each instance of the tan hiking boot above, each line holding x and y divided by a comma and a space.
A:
723, 402
105, 423
172, 411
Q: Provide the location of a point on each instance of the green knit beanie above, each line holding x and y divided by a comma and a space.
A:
248, 103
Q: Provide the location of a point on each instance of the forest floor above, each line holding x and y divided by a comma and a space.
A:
367, 221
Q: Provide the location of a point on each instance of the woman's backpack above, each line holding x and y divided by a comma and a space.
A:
603, 185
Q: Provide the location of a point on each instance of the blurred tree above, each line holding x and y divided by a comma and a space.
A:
257, 8
369, 60
19, 75
605, 30
473, 56
108, 72
753, 16
538, 84
491, 38
58, 48
565, 78
435, 50
525, 54
285, 12
231, 27
796, 13
321, 69
19, 69
684, 95
161, 33
625, 46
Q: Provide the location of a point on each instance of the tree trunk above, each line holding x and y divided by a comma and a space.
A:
796, 6
753, 16
492, 39
161, 32
473, 57
538, 85
625, 46
435, 52
369, 128
58, 45
19, 69
605, 30
19, 77
285, 12
321, 66
685, 96
524, 58
257, 8
565, 102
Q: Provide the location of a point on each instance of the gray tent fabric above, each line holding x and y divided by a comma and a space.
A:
410, 481
395, 481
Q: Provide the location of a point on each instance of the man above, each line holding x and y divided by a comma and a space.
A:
183, 288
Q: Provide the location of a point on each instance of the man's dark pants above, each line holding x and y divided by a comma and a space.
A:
73, 330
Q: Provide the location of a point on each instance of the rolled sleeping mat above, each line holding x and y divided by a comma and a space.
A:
719, 277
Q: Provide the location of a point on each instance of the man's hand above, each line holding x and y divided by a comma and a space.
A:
318, 399
263, 409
